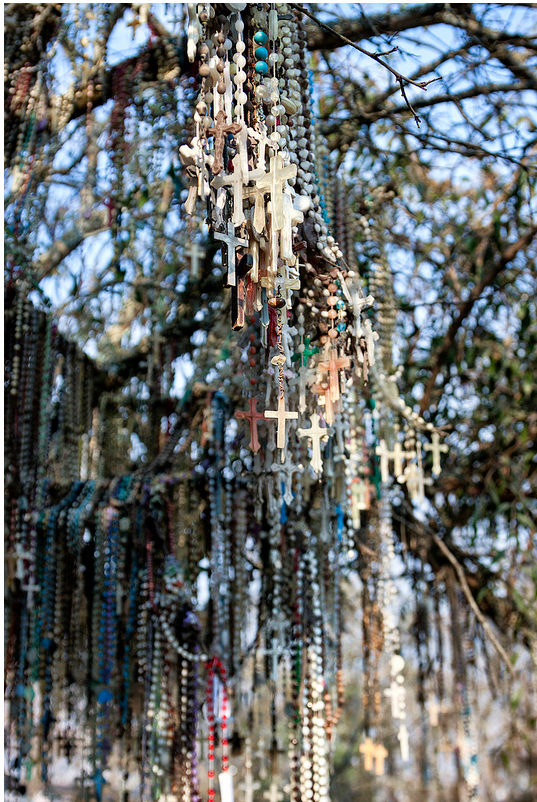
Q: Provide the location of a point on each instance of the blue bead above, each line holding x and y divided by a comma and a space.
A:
261, 67
261, 53
260, 37
341, 326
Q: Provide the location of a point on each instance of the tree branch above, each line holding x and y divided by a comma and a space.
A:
509, 254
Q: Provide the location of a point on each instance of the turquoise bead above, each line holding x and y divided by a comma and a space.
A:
341, 326
261, 67
340, 304
261, 53
260, 37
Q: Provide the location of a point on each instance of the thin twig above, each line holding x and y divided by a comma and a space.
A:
401, 79
473, 604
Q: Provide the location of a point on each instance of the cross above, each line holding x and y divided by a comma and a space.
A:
286, 284
219, 131
30, 590
415, 480
380, 754
291, 218
436, 448
274, 182
281, 415
273, 794
397, 693
315, 434
196, 253
192, 156
235, 180
370, 338
368, 750
288, 332
287, 468
305, 353
332, 367
253, 417
275, 652
263, 141
326, 399
21, 556
398, 455
360, 499
248, 786
238, 292
232, 243
305, 377
402, 737
262, 755
385, 457
359, 303
258, 219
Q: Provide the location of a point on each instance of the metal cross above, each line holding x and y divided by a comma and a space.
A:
316, 433
232, 243
281, 415
253, 417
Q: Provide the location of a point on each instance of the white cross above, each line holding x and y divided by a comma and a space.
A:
275, 652
273, 794
385, 457
281, 415
21, 556
287, 468
397, 693
315, 433
370, 338
30, 590
398, 456
263, 141
274, 182
232, 243
193, 156
291, 218
258, 218
402, 737
288, 332
360, 499
359, 303
248, 786
196, 253
236, 182
436, 448
415, 480
287, 284
305, 376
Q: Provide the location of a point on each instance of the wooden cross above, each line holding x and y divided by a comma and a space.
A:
196, 253
380, 755
281, 415
253, 417
332, 367
436, 448
291, 218
287, 468
274, 182
219, 131
238, 292
232, 243
402, 737
273, 794
235, 180
315, 433
397, 693
368, 750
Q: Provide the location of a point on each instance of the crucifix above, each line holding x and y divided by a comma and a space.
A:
232, 243
194, 159
263, 141
287, 468
281, 415
436, 448
332, 367
415, 480
248, 786
196, 253
370, 338
258, 217
305, 353
315, 433
288, 332
359, 303
219, 131
273, 794
275, 652
273, 182
235, 180
305, 376
286, 284
360, 499
253, 417
398, 455
402, 737
30, 590
238, 292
